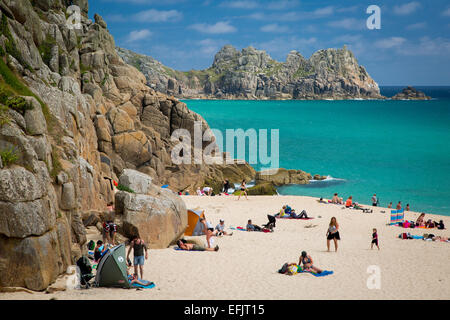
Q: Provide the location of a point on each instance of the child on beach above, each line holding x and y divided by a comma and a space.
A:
374, 239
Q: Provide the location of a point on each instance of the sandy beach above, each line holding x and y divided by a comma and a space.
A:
246, 265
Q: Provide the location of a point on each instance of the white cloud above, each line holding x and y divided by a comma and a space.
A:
406, 8
274, 27
446, 13
416, 26
137, 35
282, 4
147, 16
153, 15
326, 11
240, 4
348, 24
209, 47
217, 28
347, 9
389, 43
426, 46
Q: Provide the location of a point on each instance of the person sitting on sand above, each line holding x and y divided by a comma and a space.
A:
243, 189
99, 251
286, 212
336, 199
429, 224
349, 202
184, 245
207, 191
252, 227
199, 192
420, 222
333, 233
440, 225
307, 263
220, 229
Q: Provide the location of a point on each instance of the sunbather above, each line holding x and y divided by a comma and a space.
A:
183, 244
349, 202
420, 222
307, 263
252, 227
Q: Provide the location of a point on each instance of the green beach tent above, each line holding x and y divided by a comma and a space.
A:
112, 269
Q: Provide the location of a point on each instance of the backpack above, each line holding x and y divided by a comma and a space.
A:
91, 245
84, 265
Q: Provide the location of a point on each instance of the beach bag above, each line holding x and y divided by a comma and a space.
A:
283, 269
406, 224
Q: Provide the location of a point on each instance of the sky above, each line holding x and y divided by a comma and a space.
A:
411, 47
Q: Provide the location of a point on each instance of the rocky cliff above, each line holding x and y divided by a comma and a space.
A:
73, 113
253, 74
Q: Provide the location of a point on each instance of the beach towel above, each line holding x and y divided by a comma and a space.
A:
238, 228
149, 285
315, 274
295, 218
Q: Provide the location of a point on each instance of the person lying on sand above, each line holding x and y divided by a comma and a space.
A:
133, 278
252, 227
307, 263
184, 245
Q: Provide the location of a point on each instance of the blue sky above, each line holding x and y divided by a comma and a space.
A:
411, 48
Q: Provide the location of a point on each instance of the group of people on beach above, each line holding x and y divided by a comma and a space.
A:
208, 191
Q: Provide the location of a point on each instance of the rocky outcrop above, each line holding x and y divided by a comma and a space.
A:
283, 176
410, 93
149, 210
77, 113
253, 74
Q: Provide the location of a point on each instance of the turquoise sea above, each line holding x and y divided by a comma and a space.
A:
399, 150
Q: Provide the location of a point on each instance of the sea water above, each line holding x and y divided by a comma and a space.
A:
399, 150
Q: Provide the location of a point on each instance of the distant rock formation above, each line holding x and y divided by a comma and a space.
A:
253, 74
410, 93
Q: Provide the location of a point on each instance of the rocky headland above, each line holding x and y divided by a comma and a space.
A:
253, 74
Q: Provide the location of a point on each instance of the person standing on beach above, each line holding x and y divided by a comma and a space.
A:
243, 188
407, 207
374, 239
390, 205
374, 200
138, 246
399, 205
333, 233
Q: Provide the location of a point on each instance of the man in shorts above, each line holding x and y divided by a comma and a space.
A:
138, 246
220, 229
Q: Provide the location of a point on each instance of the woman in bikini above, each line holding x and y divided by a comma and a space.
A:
243, 188
420, 222
333, 233
307, 263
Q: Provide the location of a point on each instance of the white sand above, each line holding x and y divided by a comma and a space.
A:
246, 265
